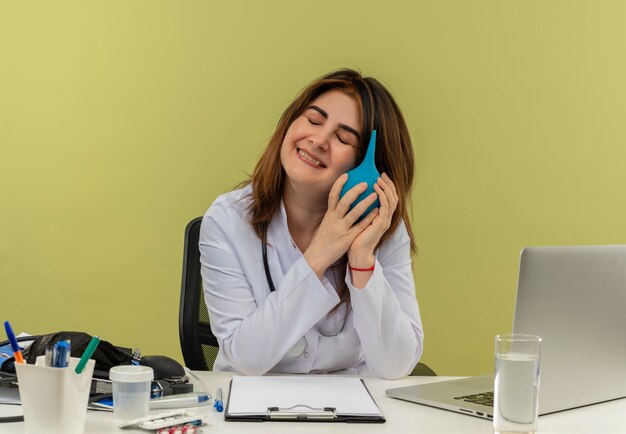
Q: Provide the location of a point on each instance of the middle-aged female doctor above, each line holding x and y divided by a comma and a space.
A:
293, 282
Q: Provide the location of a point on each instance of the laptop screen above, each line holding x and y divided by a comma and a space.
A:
575, 299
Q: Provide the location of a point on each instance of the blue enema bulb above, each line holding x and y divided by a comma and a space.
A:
364, 172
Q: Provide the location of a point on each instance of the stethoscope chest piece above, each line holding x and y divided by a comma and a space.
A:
298, 349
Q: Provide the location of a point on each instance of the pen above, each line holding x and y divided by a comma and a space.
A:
17, 353
181, 400
61, 354
49, 359
136, 356
93, 344
219, 406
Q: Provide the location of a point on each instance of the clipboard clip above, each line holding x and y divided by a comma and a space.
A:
301, 412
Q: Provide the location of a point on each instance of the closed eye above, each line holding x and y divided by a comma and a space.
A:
345, 138
342, 140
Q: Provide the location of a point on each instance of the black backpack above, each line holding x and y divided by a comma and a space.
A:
106, 355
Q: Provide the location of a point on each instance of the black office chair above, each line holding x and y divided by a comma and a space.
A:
198, 344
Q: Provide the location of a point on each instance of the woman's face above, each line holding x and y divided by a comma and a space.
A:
322, 142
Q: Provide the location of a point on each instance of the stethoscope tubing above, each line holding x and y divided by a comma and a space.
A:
298, 348
266, 265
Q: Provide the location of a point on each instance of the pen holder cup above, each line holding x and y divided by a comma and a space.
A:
54, 400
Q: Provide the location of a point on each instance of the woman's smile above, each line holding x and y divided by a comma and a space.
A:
310, 159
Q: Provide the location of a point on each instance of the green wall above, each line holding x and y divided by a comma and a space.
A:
122, 120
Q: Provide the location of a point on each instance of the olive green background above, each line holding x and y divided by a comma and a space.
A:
122, 120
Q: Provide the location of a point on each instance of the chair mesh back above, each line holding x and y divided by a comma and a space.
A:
198, 344
209, 350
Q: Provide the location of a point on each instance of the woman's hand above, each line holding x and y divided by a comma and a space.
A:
338, 230
361, 251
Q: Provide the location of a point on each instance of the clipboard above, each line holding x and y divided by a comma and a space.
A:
301, 398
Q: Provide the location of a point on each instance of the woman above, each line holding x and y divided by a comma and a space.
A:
293, 281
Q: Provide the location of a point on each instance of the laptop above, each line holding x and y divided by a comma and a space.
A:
575, 299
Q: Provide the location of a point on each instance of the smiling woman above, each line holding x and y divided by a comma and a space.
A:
320, 145
345, 296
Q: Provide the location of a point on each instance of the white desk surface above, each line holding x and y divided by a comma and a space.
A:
402, 417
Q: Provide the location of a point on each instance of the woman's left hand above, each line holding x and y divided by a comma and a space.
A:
361, 251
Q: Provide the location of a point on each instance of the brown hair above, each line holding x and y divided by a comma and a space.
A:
379, 111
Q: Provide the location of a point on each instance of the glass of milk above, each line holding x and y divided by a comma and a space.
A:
516, 384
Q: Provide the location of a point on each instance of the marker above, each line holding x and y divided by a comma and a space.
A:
181, 400
61, 356
17, 353
93, 344
219, 406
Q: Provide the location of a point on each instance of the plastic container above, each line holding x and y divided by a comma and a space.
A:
131, 391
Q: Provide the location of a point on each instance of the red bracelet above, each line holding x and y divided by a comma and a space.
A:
361, 269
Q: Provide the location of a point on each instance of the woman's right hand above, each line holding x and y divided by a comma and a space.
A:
338, 229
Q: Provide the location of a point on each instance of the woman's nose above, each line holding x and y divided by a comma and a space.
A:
320, 140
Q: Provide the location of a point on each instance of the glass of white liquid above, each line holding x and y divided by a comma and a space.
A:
516, 388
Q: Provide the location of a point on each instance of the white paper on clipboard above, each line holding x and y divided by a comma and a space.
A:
251, 396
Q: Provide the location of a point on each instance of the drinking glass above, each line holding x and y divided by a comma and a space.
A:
516, 384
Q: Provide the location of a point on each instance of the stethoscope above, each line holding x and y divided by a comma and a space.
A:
299, 349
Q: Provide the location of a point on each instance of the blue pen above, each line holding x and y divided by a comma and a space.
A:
61, 354
219, 406
17, 352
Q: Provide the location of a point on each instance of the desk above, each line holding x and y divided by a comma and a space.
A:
402, 417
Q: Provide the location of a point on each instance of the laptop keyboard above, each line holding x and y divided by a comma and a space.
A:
479, 398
